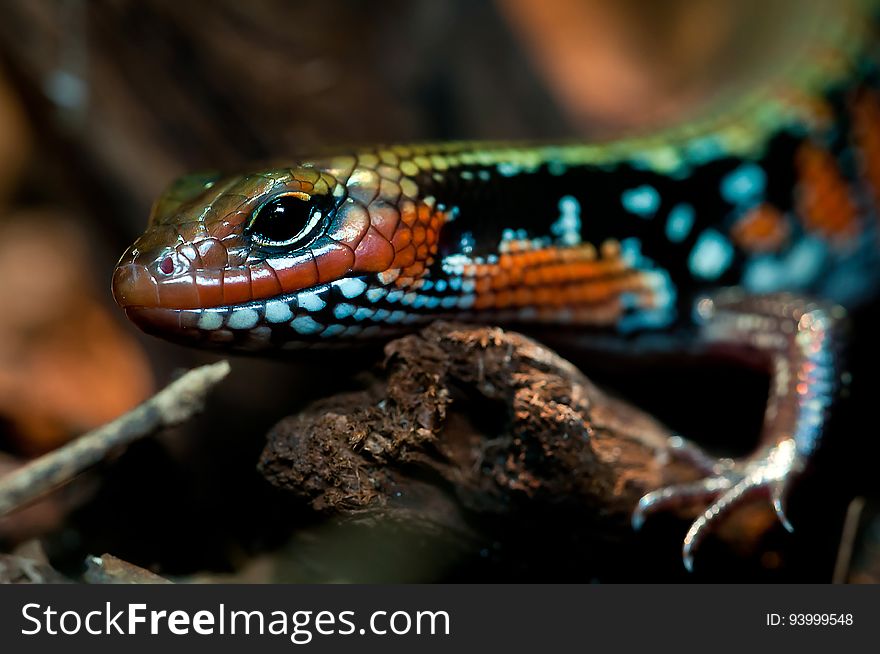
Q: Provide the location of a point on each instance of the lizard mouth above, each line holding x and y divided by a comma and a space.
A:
291, 321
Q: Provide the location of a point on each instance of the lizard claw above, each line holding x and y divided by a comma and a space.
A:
729, 483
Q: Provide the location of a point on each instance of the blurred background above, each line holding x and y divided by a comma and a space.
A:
102, 103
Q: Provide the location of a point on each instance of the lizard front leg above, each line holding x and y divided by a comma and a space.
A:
796, 338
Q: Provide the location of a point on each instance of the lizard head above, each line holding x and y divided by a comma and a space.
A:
274, 256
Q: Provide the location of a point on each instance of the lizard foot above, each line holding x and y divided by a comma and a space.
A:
726, 485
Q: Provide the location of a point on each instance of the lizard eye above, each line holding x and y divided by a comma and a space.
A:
288, 220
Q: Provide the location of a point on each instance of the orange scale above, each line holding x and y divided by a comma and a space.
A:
295, 272
525, 260
484, 300
350, 224
210, 287
408, 212
523, 296
504, 299
578, 271
515, 275
422, 252
384, 218
374, 253
405, 257
333, 261
431, 236
414, 270
236, 285
264, 281
544, 296
402, 239
500, 279
418, 234
532, 258
762, 229
531, 276
179, 292
483, 284
548, 274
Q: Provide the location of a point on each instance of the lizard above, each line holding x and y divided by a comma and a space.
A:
751, 230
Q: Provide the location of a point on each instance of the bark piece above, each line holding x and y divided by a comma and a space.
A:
476, 431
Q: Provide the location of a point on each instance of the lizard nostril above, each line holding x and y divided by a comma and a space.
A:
167, 265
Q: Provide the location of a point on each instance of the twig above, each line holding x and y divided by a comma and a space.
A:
172, 405
848, 540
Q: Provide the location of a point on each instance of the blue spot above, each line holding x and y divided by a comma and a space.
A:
704, 149
631, 253
643, 320
420, 301
805, 262
333, 330
642, 200
567, 228
343, 310
440, 285
556, 168
797, 270
711, 256
305, 325
629, 301
744, 184
679, 222
467, 243
507, 169
764, 274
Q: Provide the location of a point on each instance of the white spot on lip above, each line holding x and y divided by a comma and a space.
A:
376, 294
344, 310
310, 301
305, 325
278, 311
351, 286
242, 319
210, 320
333, 330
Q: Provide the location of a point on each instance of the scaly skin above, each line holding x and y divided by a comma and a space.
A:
774, 200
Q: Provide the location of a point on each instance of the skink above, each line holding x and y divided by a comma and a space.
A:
749, 230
